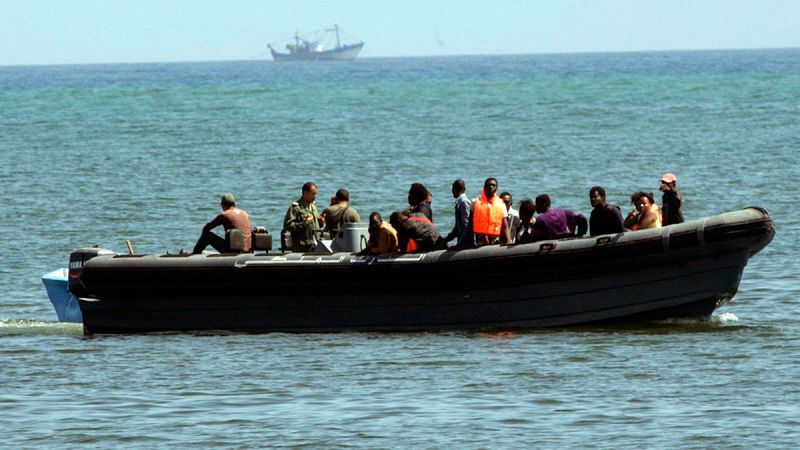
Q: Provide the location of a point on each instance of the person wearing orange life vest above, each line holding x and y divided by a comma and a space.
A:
488, 216
415, 233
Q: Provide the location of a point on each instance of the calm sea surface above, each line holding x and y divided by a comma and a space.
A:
100, 154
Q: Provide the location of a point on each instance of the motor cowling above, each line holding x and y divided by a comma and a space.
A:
78, 259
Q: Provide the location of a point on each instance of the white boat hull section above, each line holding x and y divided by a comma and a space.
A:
65, 304
346, 53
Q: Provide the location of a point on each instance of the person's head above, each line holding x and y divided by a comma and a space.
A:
309, 192
597, 196
668, 182
417, 194
542, 203
397, 218
375, 220
227, 201
490, 187
459, 187
642, 200
506, 197
526, 210
342, 196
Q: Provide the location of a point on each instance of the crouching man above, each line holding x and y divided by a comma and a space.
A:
415, 233
557, 223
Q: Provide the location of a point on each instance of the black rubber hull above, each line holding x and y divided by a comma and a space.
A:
682, 271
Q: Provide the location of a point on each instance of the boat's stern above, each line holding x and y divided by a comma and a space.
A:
77, 259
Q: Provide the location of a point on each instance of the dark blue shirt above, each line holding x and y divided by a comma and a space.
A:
461, 228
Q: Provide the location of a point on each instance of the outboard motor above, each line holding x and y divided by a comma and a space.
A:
78, 259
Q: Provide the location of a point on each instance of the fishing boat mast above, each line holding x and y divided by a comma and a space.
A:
335, 29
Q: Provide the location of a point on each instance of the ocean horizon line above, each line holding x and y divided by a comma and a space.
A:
454, 55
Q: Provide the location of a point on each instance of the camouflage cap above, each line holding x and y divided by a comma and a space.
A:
228, 199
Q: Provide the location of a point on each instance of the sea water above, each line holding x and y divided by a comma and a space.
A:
99, 154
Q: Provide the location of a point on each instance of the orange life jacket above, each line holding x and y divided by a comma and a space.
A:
488, 217
420, 219
413, 245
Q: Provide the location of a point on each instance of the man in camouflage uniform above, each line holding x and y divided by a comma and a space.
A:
302, 220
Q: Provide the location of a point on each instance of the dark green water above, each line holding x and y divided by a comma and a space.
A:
100, 154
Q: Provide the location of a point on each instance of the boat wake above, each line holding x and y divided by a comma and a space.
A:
14, 327
720, 319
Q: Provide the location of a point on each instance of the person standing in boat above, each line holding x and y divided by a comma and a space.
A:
605, 218
489, 216
230, 218
302, 220
461, 230
339, 212
419, 201
557, 223
671, 200
646, 215
512, 217
526, 222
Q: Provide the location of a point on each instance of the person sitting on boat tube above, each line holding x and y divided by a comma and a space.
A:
231, 217
488, 216
557, 223
415, 233
647, 214
605, 218
382, 236
302, 220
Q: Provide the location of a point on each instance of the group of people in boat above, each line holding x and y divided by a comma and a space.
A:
487, 219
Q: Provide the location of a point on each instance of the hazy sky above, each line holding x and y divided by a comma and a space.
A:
109, 31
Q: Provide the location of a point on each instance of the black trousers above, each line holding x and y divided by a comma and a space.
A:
209, 238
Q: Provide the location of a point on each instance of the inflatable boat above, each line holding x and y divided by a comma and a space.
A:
684, 270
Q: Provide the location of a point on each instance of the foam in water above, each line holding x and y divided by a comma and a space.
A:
25, 326
723, 318
720, 319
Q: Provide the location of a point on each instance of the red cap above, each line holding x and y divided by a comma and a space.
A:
669, 178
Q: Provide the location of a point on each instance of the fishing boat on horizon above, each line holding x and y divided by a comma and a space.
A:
314, 50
